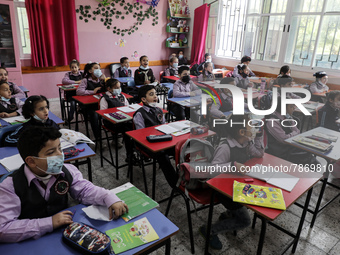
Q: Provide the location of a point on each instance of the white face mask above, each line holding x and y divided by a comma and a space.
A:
152, 104
144, 68
97, 73
253, 134
54, 164
116, 92
208, 60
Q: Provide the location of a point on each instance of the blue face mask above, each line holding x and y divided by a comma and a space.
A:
144, 68
175, 65
125, 68
38, 119
116, 92
5, 99
180, 56
97, 73
54, 164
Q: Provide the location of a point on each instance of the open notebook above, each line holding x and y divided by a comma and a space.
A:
12, 163
70, 138
175, 127
278, 179
129, 108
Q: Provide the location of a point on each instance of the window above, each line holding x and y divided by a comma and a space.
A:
23, 29
305, 33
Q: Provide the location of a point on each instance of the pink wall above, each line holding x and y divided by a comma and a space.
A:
97, 43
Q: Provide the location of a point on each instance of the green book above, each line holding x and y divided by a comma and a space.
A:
131, 235
137, 202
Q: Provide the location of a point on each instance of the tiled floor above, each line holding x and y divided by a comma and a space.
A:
324, 238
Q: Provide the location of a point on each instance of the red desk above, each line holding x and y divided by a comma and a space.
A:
174, 78
139, 136
224, 184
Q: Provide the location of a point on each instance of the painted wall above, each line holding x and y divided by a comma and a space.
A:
97, 43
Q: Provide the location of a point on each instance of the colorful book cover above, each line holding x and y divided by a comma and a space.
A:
137, 202
132, 235
258, 195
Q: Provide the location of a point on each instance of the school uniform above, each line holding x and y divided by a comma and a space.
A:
208, 76
201, 66
217, 110
121, 72
16, 92
148, 116
169, 71
13, 105
141, 76
327, 117
13, 138
110, 101
318, 87
241, 82
87, 85
27, 205
182, 61
70, 78
236, 73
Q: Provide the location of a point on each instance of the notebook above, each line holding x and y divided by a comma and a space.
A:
174, 127
12, 163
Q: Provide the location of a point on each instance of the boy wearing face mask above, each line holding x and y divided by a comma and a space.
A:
33, 198
328, 114
144, 74
9, 106
172, 70
124, 70
184, 88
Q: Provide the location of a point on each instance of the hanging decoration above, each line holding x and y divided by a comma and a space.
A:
107, 10
153, 3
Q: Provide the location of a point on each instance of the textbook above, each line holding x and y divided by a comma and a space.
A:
12, 163
174, 127
330, 138
131, 235
16, 120
70, 138
129, 108
258, 195
314, 144
137, 201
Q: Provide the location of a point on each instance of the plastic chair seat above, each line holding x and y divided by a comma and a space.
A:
201, 196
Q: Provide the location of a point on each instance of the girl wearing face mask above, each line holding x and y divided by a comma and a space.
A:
241, 144
242, 80
245, 60
182, 60
35, 109
319, 86
328, 114
144, 74
277, 134
172, 70
207, 59
93, 81
207, 73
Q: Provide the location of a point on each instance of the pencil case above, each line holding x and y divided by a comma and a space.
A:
87, 239
158, 138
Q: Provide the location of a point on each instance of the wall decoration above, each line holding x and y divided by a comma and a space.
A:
135, 55
107, 10
179, 8
153, 3
122, 42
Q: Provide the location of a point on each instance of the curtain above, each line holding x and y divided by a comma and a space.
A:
199, 34
53, 32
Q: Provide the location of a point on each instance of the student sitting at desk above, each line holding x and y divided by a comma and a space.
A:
93, 81
9, 106
15, 90
284, 71
184, 88
172, 70
207, 73
207, 58
33, 199
242, 144
286, 81
36, 109
144, 74
328, 114
242, 80
277, 134
319, 86
75, 76
182, 60
124, 70
245, 60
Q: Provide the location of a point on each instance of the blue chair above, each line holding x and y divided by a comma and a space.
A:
4, 131
131, 83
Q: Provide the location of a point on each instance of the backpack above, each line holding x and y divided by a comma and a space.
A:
194, 70
266, 101
194, 153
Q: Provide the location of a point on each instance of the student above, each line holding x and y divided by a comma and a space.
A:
93, 81
9, 106
33, 199
284, 71
242, 144
328, 114
207, 58
74, 76
172, 70
184, 88
36, 109
15, 90
286, 81
277, 134
182, 60
124, 70
172, 55
144, 74
150, 115
113, 98
319, 86
207, 73
245, 60
242, 80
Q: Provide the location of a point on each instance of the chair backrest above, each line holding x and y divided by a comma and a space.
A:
131, 83
170, 93
161, 75
113, 67
178, 148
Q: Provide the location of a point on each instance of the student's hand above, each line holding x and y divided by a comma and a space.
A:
238, 167
96, 90
119, 207
77, 82
147, 82
62, 218
4, 115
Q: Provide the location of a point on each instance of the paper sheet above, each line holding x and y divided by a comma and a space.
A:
12, 163
126, 109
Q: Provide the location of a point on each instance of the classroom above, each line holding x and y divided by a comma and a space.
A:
203, 126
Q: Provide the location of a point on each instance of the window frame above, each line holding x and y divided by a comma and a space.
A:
20, 4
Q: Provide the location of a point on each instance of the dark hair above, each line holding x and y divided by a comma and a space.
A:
332, 95
1, 67
207, 55
172, 59
206, 64
33, 139
30, 103
181, 69
227, 80
245, 59
4, 82
122, 60
144, 56
144, 90
284, 79
180, 51
284, 69
74, 61
233, 130
320, 74
88, 67
241, 67
111, 83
